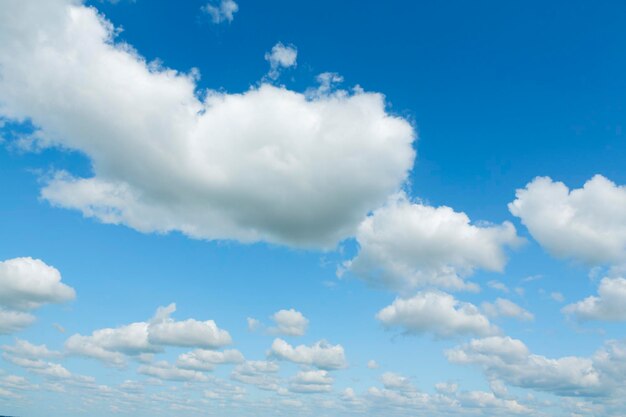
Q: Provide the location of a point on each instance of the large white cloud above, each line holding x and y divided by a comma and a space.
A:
438, 313
321, 354
268, 164
404, 245
587, 224
609, 304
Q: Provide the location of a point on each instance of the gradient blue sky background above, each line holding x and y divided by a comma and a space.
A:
498, 93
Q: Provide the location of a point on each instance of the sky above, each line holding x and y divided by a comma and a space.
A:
238, 208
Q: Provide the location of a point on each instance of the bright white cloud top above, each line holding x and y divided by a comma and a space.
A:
266, 165
438, 313
406, 245
290, 323
27, 284
586, 224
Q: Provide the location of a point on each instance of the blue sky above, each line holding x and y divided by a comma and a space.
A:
381, 209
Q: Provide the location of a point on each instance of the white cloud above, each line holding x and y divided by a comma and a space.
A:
112, 344
436, 312
497, 285
257, 373
188, 333
281, 56
404, 245
321, 354
268, 164
14, 321
290, 322
372, 364
395, 381
221, 10
166, 371
24, 348
506, 308
587, 224
27, 283
509, 360
309, 382
206, 360
609, 305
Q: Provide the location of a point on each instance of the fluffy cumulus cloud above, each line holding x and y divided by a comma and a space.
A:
609, 304
268, 164
164, 330
113, 345
509, 360
321, 354
26, 284
290, 323
438, 313
404, 245
221, 10
586, 224
281, 56
506, 308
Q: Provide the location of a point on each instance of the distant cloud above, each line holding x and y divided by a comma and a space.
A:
608, 305
280, 57
221, 10
506, 308
438, 313
113, 345
290, 323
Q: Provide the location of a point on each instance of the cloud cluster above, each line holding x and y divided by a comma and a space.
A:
608, 305
221, 10
511, 361
26, 284
322, 355
438, 313
404, 245
113, 345
268, 164
586, 224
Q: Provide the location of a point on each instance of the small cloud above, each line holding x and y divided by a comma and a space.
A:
497, 285
557, 296
281, 56
372, 364
221, 10
253, 324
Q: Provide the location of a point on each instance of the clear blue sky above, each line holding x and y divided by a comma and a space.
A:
271, 193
